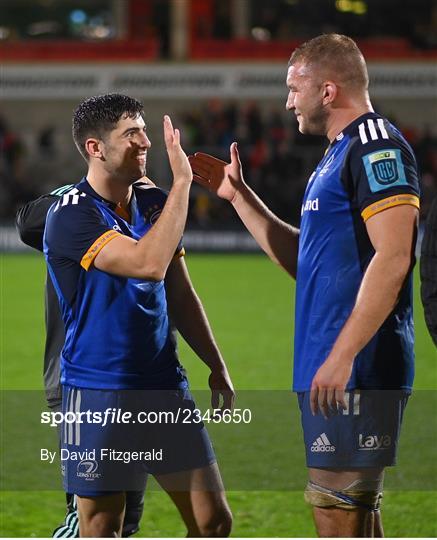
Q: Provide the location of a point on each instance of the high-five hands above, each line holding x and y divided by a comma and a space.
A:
222, 178
178, 159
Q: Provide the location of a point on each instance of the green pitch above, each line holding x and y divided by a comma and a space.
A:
249, 303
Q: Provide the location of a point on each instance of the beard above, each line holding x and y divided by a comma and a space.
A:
315, 122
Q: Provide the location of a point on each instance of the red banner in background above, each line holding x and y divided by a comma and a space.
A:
78, 51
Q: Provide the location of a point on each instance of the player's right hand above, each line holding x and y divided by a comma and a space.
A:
178, 159
222, 178
221, 387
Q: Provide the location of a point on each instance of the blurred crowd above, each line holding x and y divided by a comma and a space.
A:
277, 160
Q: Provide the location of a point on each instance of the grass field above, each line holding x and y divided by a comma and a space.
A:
249, 303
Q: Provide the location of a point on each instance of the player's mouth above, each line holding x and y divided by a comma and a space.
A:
141, 158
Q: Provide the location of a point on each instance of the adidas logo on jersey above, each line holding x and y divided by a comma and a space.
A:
71, 197
372, 130
322, 444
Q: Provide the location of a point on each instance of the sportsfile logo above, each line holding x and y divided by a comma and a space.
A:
373, 442
322, 444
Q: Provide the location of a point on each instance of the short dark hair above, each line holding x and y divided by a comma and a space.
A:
334, 53
98, 115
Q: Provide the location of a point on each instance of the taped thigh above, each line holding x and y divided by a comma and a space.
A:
360, 494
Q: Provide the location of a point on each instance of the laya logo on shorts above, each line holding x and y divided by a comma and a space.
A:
373, 442
322, 444
87, 469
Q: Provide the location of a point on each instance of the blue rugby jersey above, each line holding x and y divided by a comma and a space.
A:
368, 167
117, 329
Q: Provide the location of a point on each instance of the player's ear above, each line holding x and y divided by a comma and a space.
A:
93, 148
330, 91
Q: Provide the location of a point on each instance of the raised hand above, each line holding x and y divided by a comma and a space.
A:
178, 159
222, 178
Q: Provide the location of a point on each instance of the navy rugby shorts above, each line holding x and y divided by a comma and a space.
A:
365, 434
159, 433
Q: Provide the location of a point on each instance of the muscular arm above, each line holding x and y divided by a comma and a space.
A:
189, 317
277, 238
149, 257
392, 233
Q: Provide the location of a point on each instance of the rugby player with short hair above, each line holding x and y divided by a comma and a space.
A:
352, 259
114, 255
30, 223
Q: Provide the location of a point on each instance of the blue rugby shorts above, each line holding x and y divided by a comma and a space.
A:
97, 459
365, 434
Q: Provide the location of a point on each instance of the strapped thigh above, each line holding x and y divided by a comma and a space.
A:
360, 494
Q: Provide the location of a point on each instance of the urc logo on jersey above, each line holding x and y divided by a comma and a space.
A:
385, 167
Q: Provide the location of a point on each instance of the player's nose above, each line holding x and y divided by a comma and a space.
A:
289, 104
145, 141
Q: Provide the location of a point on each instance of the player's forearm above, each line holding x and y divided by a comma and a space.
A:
195, 328
277, 238
157, 248
375, 301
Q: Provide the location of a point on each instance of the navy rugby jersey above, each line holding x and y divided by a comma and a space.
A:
368, 168
117, 329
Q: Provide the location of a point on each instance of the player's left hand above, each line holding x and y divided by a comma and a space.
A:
221, 385
328, 386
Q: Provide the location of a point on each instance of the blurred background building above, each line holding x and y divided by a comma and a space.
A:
218, 68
